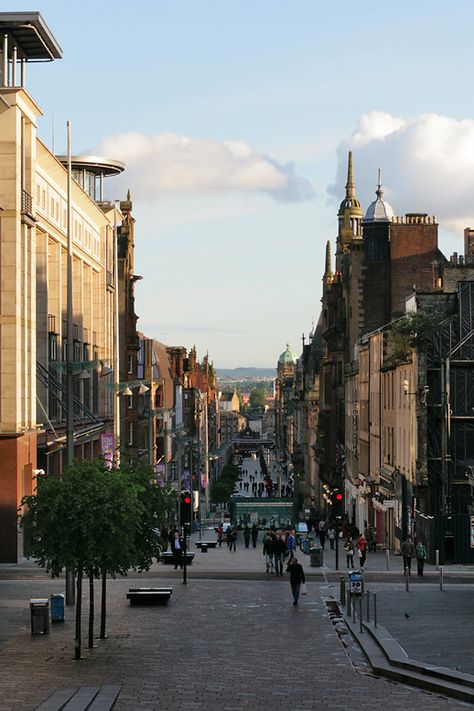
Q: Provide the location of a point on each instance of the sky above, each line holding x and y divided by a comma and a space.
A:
234, 119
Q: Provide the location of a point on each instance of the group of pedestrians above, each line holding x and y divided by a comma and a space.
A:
355, 545
410, 551
277, 547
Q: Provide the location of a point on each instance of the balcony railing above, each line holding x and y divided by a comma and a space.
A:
27, 204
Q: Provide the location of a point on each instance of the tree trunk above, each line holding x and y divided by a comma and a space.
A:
91, 610
77, 649
103, 606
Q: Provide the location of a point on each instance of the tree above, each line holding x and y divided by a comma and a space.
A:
257, 397
411, 331
223, 488
83, 521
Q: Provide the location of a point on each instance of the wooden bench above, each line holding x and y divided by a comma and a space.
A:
167, 558
149, 596
90, 698
209, 544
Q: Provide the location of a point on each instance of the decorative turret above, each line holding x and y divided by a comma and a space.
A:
287, 356
350, 212
328, 268
379, 210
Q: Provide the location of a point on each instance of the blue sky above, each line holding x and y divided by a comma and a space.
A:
235, 119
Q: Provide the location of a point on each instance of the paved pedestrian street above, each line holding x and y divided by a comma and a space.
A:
219, 644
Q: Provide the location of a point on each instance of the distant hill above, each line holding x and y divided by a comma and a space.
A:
244, 373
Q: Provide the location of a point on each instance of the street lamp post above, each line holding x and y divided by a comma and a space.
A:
70, 590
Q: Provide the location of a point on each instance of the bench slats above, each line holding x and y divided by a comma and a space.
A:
106, 697
148, 597
82, 698
57, 700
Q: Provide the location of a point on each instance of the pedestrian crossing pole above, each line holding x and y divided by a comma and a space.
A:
185, 550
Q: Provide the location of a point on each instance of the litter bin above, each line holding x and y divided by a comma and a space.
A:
39, 608
356, 582
203, 547
316, 557
305, 546
57, 608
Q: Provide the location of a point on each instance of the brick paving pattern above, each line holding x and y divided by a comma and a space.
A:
219, 644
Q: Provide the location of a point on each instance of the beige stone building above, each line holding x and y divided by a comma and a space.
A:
33, 271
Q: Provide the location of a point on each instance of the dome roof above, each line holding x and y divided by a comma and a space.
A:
287, 356
379, 210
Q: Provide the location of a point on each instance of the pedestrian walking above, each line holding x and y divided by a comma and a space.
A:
233, 538
291, 544
349, 551
268, 551
373, 547
220, 534
254, 534
296, 578
177, 548
421, 556
408, 551
362, 549
278, 548
331, 537
246, 536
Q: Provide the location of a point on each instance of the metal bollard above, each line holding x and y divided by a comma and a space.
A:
368, 606
375, 609
387, 558
361, 629
437, 559
441, 577
342, 591
407, 583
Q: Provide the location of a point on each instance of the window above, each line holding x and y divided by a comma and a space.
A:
130, 364
130, 434
52, 346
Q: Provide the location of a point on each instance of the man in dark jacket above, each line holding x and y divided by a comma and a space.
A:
254, 533
296, 578
177, 549
278, 549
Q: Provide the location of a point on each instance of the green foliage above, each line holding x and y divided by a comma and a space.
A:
411, 332
95, 519
155, 503
223, 488
258, 396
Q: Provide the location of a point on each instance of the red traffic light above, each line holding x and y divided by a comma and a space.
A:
186, 499
338, 497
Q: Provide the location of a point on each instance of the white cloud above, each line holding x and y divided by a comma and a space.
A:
427, 165
170, 163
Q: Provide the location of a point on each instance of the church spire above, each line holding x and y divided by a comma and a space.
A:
328, 267
350, 212
350, 185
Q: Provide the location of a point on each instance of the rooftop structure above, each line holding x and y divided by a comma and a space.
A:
379, 210
86, 170
25, 38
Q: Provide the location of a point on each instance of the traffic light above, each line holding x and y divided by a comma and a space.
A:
337, 503
186, 508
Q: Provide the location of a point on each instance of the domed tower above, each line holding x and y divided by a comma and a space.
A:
287, 357
284, 390
379, 210
376, 226
350, 213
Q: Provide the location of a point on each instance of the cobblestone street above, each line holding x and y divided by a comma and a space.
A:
219, 644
